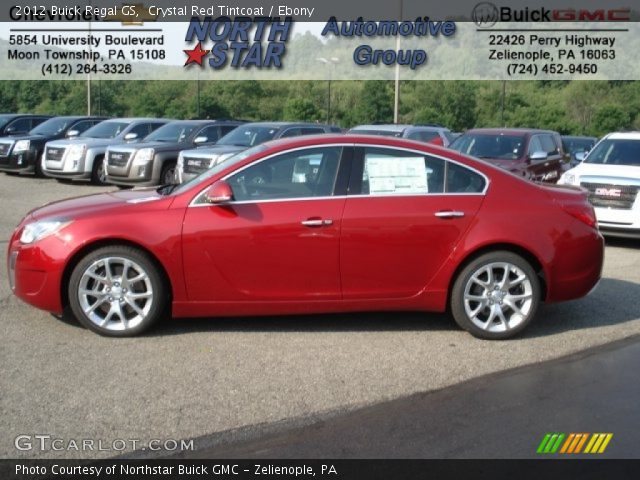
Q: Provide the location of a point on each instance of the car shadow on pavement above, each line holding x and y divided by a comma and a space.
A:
613, 302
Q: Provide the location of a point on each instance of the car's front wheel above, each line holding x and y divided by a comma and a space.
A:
496, 296
117, 291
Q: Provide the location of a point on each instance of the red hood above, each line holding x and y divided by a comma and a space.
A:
102, 202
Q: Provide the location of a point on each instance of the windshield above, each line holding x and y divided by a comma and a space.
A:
53, 126
248, 136
105, 130
573, 145
172, 132
4, 119
238, 157
484, 145
616, 152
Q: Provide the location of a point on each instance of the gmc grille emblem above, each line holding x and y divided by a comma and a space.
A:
608, 192
116, 156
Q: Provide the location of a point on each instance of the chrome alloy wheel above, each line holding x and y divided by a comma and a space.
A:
498, 297
115, 293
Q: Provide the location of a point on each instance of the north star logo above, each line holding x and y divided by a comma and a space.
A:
608, 192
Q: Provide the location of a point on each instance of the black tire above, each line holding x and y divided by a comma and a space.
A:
125, 187
139, 262
37, 168
168, 174
98, 172
495, 319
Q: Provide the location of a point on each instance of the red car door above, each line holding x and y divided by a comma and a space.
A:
277, 240
408, 213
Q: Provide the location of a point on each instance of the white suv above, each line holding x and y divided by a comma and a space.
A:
611, 174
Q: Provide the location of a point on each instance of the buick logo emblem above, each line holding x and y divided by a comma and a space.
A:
485, 15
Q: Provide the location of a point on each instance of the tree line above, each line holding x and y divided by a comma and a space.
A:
570, 107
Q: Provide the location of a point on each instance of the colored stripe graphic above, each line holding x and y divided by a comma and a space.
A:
573, 443
598, 442
550, 443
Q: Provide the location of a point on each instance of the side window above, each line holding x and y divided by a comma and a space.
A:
535, 145
548, 144
37, 121
82, 126
311, 131
20, 125
300, 174
422, 135
397, 172
212, 133
154, 126
226, 129
291, 132
463, 180
142, 130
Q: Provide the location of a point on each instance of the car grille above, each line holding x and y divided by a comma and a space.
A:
4, 149
195, 165
619, 197
54, 154
118, 159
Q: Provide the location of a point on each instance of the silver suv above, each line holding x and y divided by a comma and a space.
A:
82, 158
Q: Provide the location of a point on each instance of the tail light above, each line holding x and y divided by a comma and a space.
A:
583, 212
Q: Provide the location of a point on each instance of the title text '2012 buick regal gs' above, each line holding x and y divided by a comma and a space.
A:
318, 224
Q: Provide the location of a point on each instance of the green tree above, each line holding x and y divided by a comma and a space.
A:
302, 110
610, 118
376, 102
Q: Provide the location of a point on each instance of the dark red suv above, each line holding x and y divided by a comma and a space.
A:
534, 154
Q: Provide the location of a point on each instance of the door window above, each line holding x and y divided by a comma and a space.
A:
21, 125
548, 144
535, 145
398, 172
299, 174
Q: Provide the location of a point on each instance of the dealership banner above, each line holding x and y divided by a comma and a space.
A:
405, 40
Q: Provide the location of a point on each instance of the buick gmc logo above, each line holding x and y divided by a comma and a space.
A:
486, 15
117, 156
608, 192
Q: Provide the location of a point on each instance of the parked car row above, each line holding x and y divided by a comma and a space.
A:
130, 152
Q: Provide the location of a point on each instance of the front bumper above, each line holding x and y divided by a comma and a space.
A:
35, 272
619, 223
21, 162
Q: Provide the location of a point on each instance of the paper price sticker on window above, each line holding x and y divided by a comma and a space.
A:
396, 175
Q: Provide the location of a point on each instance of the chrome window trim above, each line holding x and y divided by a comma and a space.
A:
194, 202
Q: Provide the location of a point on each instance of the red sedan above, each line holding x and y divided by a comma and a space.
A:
314, 225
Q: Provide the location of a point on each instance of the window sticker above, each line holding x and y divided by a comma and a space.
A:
402, 175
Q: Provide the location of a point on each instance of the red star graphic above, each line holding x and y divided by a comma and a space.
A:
195, 55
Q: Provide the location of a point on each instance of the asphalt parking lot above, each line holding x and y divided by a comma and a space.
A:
194, 378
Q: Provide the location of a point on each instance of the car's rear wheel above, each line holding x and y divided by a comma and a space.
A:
99, 171
496, 296
117, 291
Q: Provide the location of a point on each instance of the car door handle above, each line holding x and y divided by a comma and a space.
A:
317, 222
450, 214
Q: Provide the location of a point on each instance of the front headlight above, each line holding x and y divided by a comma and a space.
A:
143, 156
76, 152
568, 179
33, 232
22, 146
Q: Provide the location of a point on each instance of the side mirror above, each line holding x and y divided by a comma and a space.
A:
538, 156
72, 133
580, 156
219, 193
130, 136
10, 130
199, 140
